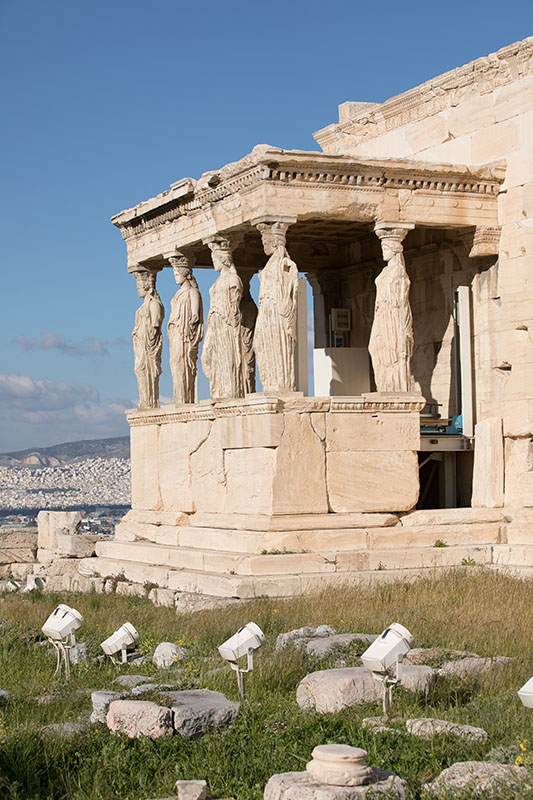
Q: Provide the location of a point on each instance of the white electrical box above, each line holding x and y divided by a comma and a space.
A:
341, 321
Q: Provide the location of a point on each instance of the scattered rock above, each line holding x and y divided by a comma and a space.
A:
191, 790
427, 728
5, 697
434, 655
140, 718
167, 654
473, 665
101, 700
322, 646
131, 680
481, 779
300, 785
336, 689
65, 729
301, 635
78, 653
378, 725
198, 710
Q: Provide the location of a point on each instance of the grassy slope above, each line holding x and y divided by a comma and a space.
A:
483, 612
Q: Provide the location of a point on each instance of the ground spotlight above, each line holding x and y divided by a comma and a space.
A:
122, 640
243, 643
59, 629
526, 693
384, 658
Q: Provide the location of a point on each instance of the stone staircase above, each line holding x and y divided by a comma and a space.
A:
246, 556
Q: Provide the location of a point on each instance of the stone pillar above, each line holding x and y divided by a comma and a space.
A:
147, 338
185, 329
222, 351
275, 330
391, 337
325, 284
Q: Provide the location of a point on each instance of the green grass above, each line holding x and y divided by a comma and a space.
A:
481, 612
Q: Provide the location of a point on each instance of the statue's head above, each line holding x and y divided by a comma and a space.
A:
181, 267
145, 282
273, 235
391, 248
221, 254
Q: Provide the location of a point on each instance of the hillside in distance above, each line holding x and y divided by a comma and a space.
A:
68, 453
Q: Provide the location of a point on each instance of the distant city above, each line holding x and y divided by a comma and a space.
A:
84, 475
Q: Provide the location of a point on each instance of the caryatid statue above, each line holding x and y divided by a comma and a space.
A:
249, 317
185, 330
222, 350
275, 329
147, 339
391, 338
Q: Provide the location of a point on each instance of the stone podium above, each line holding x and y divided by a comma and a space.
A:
264, 495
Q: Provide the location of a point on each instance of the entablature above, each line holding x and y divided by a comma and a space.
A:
308, 186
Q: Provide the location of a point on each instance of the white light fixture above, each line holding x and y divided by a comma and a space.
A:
526, 693
384, 658
122, 640
59, 629
243, 643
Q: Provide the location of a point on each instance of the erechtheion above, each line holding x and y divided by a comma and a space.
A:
414, 228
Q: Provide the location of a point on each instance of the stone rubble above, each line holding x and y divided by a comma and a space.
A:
467, 667
167, 654
301, 786
140, 718
480, 779
199, 710
335, 689
191, 790
427, 728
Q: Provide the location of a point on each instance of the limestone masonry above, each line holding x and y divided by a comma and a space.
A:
414, 228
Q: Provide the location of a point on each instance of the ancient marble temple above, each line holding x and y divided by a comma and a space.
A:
414, 227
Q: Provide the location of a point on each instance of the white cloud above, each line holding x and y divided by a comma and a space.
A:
88, 346
38, 412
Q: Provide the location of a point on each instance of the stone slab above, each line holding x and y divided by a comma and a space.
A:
481, 779
138, 718
377, 431
251, 430
293, 522
372, 481
487, 482
145, 492
301, 786
336, 689
300, 477
428, 728
199, 710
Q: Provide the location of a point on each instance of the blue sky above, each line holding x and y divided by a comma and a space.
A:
105, 103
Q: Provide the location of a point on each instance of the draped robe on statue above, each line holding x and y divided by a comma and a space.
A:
275, 328
147, 347
391, 339
221, 354
185, 331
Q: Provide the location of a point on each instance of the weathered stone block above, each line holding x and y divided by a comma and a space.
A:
199, 710
250, 477
381, 431
145, 492
487, 483
140, 718
173, 464
300, 479
372, 481
250, 430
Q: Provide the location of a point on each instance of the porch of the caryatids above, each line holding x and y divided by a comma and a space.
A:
147, 338
275, 328
391, 337
222, 350
185, 329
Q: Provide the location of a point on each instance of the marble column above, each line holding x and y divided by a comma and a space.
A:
391, 337
185, 329
275, 328
147, 338
222, 351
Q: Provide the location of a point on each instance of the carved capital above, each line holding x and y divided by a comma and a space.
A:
273, 230
486, 242
223, 243
179, 260
393, 231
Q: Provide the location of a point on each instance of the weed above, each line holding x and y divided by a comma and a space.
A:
440, 543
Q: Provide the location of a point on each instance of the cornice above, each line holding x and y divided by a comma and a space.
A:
478, 77
301, 169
